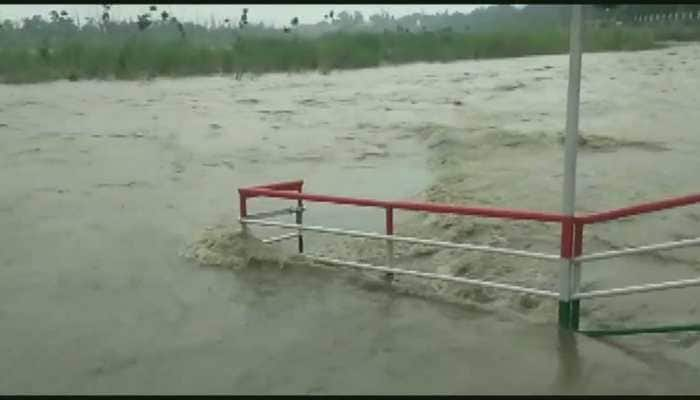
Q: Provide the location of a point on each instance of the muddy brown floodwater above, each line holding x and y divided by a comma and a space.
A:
106, 187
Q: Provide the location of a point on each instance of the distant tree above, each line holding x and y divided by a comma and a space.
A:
294, 23
105, 16
358, 18
244, 18
345, 19
180, 27
144, 21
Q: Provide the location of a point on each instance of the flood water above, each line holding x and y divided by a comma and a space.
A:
104, 183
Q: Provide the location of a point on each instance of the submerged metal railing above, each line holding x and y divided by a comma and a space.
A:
570, 256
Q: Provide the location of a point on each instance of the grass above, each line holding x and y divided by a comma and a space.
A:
142, 55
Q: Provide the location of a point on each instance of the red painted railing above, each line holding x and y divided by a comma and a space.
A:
572, 226
644, 208
293, 190
571, 245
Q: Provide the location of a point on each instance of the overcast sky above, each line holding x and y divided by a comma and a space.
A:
268, 13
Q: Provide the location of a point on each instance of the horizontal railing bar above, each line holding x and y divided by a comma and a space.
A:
406, 205
274, 213
286, 185
291, 190
638, 289
398, 271
640, 209
463, 246
634, 331
280, 237
639, 250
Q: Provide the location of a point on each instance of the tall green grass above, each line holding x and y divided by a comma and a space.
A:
143, 55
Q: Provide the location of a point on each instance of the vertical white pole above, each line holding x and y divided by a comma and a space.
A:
570, 145
572, 111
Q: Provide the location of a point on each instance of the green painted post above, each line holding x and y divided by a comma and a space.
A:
565, 281
565, 315
565, 275
576, 275
575, 313
569, 313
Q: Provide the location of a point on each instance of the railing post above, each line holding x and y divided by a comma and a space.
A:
389, 243
300, 221
243, 211
565, 276
576, 275
570, 276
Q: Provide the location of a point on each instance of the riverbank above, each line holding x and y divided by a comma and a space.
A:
148, 55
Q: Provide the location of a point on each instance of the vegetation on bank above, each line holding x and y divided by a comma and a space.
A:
144, 56
159, 45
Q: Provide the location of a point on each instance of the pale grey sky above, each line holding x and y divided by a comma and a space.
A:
268, 13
